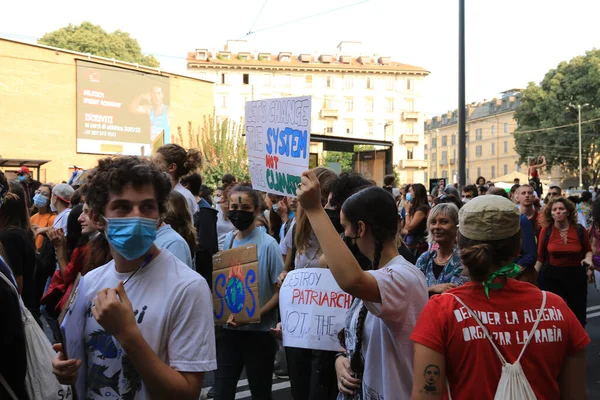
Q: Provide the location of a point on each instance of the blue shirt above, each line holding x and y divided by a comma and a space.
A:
167, 238
452, 272
270, 265
528, 255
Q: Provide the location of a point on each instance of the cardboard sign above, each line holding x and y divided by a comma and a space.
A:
278, 142
313, 309
235, 285
72, 329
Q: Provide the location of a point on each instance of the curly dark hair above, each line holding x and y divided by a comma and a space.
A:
546, 216
113, 173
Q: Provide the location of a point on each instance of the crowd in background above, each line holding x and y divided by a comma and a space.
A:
395, 249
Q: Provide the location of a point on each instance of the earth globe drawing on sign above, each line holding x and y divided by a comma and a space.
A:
235, 295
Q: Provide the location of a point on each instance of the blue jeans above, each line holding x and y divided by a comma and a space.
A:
236, 350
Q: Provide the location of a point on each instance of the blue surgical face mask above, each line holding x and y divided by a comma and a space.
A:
40, 201
409, 197
22, 178
131, 237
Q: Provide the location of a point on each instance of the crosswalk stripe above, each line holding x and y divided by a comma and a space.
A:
593, 315
278, 386
593, 308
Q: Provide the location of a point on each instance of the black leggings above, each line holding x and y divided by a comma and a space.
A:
571, 284
312, 374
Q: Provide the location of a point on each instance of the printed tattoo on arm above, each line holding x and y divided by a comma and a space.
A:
432, 376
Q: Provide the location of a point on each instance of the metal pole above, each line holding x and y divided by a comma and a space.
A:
580, 168
462, 133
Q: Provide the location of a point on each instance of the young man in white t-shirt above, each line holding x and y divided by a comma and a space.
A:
149, 325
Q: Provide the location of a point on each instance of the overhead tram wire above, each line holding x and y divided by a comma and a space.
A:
257, 17
308, 17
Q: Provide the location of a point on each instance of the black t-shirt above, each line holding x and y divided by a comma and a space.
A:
421, 231
407, 254
13, 357
437, 269
19, 250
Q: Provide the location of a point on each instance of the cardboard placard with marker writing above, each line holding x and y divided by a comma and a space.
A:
235, 285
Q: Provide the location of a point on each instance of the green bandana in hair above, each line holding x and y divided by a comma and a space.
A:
510, 270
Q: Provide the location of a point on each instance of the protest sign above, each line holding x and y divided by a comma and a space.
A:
72, 329
278, 142
313, 309
235, 285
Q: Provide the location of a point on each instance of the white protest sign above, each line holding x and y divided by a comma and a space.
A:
278, 142
313, 309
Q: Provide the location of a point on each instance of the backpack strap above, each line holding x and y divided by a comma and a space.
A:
546, 240
535, 326
580, 230
7, 387
233, 234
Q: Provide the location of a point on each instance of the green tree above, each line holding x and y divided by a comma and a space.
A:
92, 39
345, 158
224, 151
547, 105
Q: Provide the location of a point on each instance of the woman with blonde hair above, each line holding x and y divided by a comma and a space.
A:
565, 255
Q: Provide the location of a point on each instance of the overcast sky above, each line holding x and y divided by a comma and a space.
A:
509, 43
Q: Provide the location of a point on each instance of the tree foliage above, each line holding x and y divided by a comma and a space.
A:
547, 105
92, 39
224, 151
345, 158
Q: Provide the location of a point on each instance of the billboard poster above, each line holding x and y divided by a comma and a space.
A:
278, 143
121, 111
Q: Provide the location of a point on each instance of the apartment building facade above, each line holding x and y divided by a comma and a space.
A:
354, 95
490, 142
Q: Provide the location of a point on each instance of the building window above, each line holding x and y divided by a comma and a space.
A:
349, 127
433, 157
410, 105
425, 146
445, 156
410, 129
409, 84
444, 174
478, 134
329, 103
223, 101
433, 143
389, 83
505, 169
454, 154
268, 80
369, 82
308, 80
329, 80
478, 171
246, 79
348, 82
224, 79
506, 127
493, 149
444, 141
519, 168
370, 105
389, 104
478, 151
349, 104
493, 171
453, 140
370, 127
388, 129
505, 146
426, 158
329, 126
409, 154
493, 129
287, 80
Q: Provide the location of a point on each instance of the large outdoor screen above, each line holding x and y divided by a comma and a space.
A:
121, 111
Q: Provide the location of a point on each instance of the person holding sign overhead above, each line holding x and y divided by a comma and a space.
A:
378, 359
148, 325
250, 346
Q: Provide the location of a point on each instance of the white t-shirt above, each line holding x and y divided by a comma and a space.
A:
305, 259
223, 227
173, 309
60, 222
387, 348
189, 197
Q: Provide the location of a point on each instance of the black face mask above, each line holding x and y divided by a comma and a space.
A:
241, 219
334, 216
362, 260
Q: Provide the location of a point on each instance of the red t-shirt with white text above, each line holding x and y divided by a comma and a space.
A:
472, 367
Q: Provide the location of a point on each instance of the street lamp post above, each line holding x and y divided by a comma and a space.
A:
578, 107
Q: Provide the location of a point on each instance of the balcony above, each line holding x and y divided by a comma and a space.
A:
329, 113
410, 116
452, 161
404, 164
409, 138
